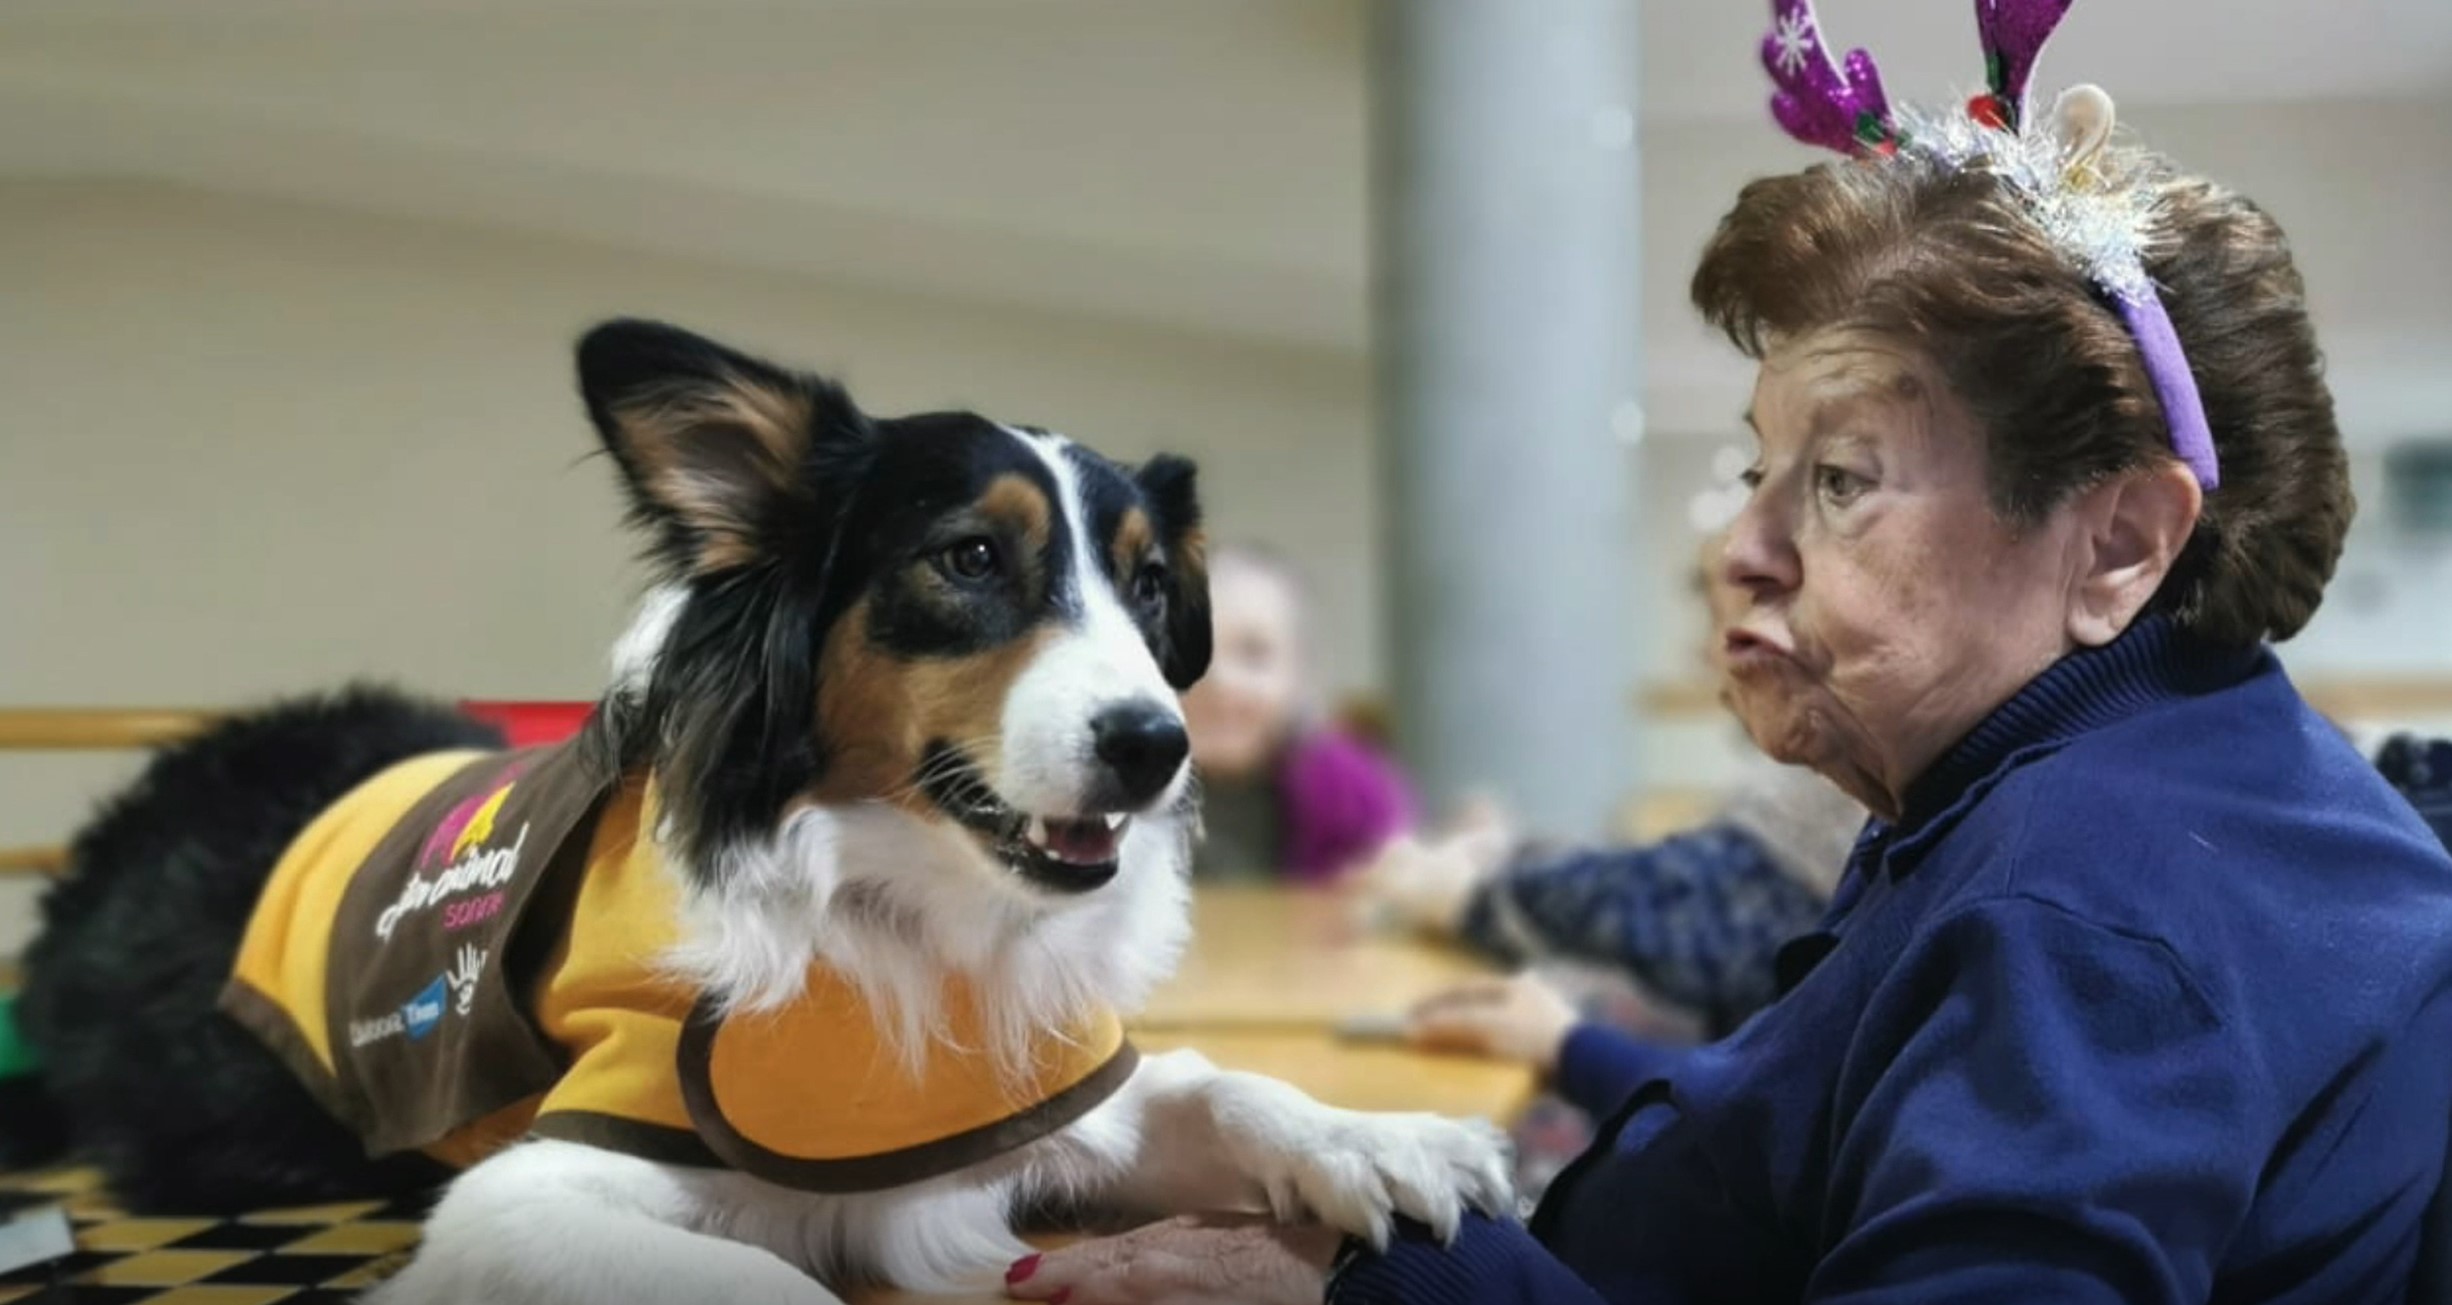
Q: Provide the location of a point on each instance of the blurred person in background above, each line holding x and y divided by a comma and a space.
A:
2422, 769
1693, 918
1688, 925
1283, 792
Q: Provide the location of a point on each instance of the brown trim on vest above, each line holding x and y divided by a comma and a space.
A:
271, 1025
670, 1146
870, 1173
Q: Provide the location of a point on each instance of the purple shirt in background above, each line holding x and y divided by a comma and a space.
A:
1340, 800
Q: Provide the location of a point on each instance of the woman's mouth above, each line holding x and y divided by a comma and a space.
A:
1744, 651
1744, 643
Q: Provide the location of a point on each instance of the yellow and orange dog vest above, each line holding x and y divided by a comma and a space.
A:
465, 950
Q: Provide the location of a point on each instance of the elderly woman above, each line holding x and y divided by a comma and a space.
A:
2139, 985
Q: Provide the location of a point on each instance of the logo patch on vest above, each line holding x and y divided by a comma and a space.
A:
466, 865
454, 990
425, 1010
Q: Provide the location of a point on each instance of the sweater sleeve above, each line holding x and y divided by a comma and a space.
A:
1599, 1067
2042, 1109
1491, 1262
1697, 917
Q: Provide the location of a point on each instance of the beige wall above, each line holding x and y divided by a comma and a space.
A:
253, 447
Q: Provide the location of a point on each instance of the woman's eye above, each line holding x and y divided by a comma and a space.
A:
969, 559
1751, 477
1838, 484
1149, 585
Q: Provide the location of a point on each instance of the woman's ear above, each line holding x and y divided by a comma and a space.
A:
1174, 500
714, 445
2136, 526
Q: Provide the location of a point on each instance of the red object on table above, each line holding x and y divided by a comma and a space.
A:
530, 723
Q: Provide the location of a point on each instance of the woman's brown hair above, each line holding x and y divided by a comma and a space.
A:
1946, 259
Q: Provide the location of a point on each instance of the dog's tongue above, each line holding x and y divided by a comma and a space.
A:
1082, 842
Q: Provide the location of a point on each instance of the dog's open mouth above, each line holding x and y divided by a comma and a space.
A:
1078, 842
1070, 854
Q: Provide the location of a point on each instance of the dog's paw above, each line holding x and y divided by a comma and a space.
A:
1356, 1172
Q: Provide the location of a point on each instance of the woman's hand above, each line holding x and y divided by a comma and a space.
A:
1197, 1260
1522, 1019
1426, 883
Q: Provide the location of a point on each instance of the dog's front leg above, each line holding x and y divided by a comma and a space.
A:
557, 1223
1206, 1139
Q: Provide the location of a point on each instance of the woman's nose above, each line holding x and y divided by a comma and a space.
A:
1757, 555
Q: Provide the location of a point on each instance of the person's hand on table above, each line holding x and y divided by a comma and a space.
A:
1523, 1019
1425, 882
1197, 1260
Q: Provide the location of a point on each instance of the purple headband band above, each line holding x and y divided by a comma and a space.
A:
2166, 366
1841, 106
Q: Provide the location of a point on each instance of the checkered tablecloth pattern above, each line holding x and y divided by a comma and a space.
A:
312, 1255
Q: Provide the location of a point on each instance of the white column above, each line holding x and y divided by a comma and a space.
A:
1505, 242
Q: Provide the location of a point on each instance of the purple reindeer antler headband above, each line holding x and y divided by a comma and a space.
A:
1839, 105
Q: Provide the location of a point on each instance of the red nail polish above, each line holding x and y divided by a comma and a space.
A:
1022, 1269
1062, 1295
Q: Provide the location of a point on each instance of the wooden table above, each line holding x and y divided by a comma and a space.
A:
1293, 961
1269, 976
1361, 1077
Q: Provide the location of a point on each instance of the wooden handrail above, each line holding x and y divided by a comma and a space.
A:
1672, 699
96, 729
99, 729
2385, 695
32, 860
102, 729
84, 729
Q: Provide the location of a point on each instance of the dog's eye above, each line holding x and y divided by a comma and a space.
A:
1149, 585
969, 559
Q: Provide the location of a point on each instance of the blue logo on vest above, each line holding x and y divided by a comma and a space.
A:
425, 1010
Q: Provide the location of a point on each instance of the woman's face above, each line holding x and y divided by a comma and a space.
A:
1242, 709
1879, 609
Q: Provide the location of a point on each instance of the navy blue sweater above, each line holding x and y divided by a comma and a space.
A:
2147, 997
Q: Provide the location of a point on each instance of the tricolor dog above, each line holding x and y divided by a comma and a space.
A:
805, 963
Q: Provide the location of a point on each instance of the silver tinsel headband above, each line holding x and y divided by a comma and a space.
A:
2101, 223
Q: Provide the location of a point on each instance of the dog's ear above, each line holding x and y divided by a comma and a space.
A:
1168, 482
715, 445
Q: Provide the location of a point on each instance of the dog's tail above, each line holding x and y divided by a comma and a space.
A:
121, 982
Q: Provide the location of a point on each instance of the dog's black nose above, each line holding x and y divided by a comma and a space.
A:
1142, 744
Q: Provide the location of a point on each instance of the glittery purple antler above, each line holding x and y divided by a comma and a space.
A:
1816, 102
2014, 33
